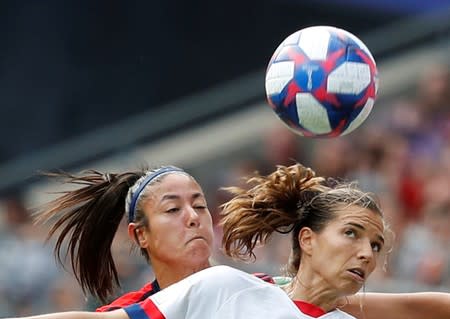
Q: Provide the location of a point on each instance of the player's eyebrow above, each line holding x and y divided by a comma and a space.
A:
380, 238
167, 197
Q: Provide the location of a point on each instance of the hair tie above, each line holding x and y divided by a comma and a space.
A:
151, 176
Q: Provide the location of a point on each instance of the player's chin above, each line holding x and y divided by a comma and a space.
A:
351, 288
348, 286
199, 249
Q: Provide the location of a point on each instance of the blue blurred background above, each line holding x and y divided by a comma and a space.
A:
113, 84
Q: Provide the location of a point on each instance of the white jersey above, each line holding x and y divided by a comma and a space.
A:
222, 292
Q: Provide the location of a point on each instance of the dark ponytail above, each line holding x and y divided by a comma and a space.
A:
87, 219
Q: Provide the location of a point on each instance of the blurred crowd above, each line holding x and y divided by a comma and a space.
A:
402, 153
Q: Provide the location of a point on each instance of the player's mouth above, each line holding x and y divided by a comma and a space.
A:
358, 274
195, 238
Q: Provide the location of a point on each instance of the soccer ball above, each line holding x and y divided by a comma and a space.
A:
322, 82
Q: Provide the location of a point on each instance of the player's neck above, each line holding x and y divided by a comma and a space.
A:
168, 275
311, 289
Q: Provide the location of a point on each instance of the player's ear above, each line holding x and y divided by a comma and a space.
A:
137, 234
305, 240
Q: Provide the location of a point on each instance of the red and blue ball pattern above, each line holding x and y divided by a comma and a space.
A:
322, 82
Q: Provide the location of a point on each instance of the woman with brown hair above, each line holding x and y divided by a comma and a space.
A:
274, 204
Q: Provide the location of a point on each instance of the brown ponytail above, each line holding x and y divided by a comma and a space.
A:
88, 218
271, 204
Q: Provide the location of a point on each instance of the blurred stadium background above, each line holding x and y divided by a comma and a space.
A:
111, 85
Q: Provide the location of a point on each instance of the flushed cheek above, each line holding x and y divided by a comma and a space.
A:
206, 229
168, 244
372, 267
209, 235
172, 239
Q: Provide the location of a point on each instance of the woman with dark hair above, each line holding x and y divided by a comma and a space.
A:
167, 216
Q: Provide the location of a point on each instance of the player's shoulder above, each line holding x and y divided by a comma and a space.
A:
221, 281
131, 297
225, 277
221, 272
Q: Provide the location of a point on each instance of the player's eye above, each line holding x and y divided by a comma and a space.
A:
376, 247
351, 233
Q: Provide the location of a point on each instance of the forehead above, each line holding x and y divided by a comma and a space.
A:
365, 217
173, 183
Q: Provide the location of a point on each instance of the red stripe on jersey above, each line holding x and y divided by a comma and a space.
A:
131, 297
264, 277
151, 310
309, 309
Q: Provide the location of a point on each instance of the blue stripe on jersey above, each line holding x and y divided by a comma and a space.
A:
136, 312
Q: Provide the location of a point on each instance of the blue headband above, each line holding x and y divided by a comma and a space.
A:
145, 182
